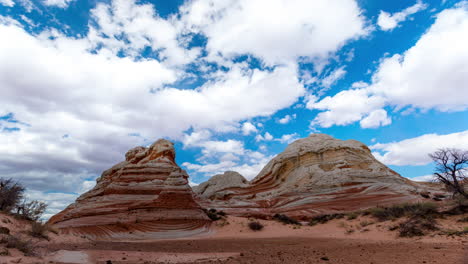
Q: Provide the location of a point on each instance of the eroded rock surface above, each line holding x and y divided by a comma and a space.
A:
145, 196
221, 185
314, 175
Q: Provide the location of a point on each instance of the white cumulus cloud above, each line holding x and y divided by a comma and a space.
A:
412, 79
387, 21
414, 151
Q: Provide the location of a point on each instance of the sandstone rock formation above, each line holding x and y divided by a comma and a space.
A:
145, 196
317, 174
221, 185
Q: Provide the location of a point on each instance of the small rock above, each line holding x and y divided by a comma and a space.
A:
325, 258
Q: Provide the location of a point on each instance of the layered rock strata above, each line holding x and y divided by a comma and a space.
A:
314, 175
145, 196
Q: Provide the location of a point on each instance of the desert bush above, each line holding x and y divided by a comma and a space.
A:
285, 219
463, 220
39, 230
400, 210
22, 245
416, 226
11, 194
322, 219
32, 210
365, 223
215, 215
255, 226
351, 216
455, 232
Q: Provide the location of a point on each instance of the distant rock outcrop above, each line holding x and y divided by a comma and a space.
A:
221, 185
145, 196
317, 174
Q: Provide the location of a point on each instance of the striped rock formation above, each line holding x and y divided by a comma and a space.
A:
314, 175
145, 196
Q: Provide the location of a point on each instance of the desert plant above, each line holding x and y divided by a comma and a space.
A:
215, 215
416, 226
351, 216
11, 193
451, 169
400, 210
38, 229
255, 226
323, 218
285, 219
22, 245
365, 223
32, 210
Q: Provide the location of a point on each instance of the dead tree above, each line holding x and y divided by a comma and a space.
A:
451, 169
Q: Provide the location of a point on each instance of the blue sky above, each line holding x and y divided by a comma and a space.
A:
230, 82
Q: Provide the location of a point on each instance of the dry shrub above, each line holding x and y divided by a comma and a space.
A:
255, 226
215, 215
39, 230
401, 210
417, 226
285, 219
22, 245
11, 194
322, 219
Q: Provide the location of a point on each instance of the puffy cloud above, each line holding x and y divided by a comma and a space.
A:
414, 151
288, 138
277, 31
345, 107
387, 21
8, 3
57, 3
376, 119
248, 128
266, 137
231, 97
412, 79
286, 119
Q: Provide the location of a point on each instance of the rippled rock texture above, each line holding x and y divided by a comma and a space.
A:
314, 175
145, 196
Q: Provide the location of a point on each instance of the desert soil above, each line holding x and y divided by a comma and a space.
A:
231, 241
277, 243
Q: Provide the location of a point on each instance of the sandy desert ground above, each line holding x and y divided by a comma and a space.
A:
231, 241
